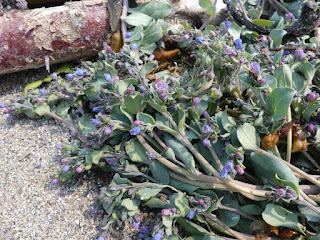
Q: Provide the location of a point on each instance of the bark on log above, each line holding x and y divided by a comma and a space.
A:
74, 30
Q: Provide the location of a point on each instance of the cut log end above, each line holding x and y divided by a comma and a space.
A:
74, 30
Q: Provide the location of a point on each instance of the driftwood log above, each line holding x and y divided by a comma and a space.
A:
31, 38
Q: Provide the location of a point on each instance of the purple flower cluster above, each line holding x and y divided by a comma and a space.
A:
227, 168
255, 66
206, 129
94, 122
161, 87
135, 131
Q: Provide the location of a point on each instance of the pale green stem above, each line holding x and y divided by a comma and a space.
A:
306, 197
293, 168
215, 157
229, 182
234, 233
303, 202
289, 137
311, 159
277, 151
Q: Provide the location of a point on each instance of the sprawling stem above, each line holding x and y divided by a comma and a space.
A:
234, 233
307, 155
293, 168
289, 137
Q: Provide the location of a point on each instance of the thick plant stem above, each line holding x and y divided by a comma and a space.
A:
307, 155
289, 137
305, 196
229, 182
303, 202
293, 168
215, 157
234, 233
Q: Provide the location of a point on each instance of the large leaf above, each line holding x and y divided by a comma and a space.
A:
146, 118
308, 70
160, 172
235, 30
182, 203
263, 22
147, 193
156, 9
284, 76
182, 186
229, 218
42, 109
134, 104
279, 101
276, 36
191, 227
246, 134
136, 151
130, 204
85, 125
278, 216
311, 215
267, 168
181, 151
137, 19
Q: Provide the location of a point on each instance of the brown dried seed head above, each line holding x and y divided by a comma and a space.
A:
299, 145
269, 141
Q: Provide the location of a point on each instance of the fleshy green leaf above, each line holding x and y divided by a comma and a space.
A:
276, 36
182, 204
136, 151
263, 22
137, 19
147, 193
159, 172
42, 109
246, 134
85, 125
308, 70
134, 104
235, 30
280, 217
156, 9
284, 76
130, 204
146, 118
279, 101
267, 168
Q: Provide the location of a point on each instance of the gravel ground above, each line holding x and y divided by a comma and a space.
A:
31, 207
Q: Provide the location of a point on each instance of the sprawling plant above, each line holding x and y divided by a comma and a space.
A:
223, 140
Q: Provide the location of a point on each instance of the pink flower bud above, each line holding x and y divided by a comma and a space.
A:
240, 170
262, 81
64, 160
186, 37
242, 60
129, 91
289, 15
6, 110
165, 148
281, 63
165, 212
201, 201
264, 39
79, 170
137, 123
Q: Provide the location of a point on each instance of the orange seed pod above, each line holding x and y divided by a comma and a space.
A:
269, 141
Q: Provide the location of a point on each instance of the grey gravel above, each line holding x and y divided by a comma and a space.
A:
30, 206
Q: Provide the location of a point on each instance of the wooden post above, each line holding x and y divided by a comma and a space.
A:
71, 31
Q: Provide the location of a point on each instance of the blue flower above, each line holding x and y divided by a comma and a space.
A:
152, 155
142, 88
42, 91
224, 174
287, 52
227, 24
205, 114
158, 236
58, 146
238, 43
229, 166
142, 236
94, 122
79, 72
134, 46
199, 39
107, 77
135, 131
65, 169
128, 34
206, 142
144, 230
255, 66
111, 161
191, 214
135, 225
69, 76
206, 129
95, 109
101, 238
2, 105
